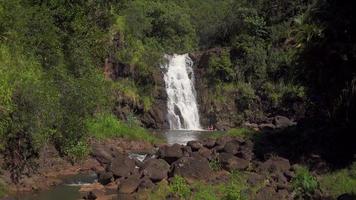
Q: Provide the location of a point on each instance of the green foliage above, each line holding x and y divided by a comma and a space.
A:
220, 68
77, 151
240, 132
204, 192
180, 187
304, 183
108, 126
2, 189
339, 182
215, 165
233, 190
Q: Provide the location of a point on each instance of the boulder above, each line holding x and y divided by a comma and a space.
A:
192, 168
155, 169
267, 127
275, 164
231, 147
205, 152
195, 145
146, 183
129, 185
230, 162
103, 155
282, 122
122, 166
208, 143
105, 178
171, 153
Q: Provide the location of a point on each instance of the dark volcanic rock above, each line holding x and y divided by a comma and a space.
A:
195, 167
205, 152
122, 166
155, 169
282, 122
209, 143
171, 153
195, 145
275, 164
105, 178
230, 162
129, 185
231, 147
146, 183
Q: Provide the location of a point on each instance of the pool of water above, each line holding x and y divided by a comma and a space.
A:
68, 190
184, 136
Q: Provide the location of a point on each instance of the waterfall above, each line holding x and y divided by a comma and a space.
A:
182, 104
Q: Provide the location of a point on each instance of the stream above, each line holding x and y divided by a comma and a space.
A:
69, 189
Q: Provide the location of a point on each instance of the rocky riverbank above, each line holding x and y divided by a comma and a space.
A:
209, 161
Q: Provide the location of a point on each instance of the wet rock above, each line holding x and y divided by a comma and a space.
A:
231, 147
155, 169
129, 185
195, 167
105, 177
230, 162
122, 166
195, 145
171, 153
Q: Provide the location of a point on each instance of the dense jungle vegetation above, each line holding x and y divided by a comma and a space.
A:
52, 53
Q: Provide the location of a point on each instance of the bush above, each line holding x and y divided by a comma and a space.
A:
339, 182
215, 165
233, 190
220, 68
204, 192
304, 184
180, 187
77, 151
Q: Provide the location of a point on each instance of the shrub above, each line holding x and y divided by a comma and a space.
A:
304, 184
180, 187
204, 192
340, 182
233, 190
77, 151
215, 165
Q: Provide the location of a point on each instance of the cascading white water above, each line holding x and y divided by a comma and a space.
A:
182, 105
